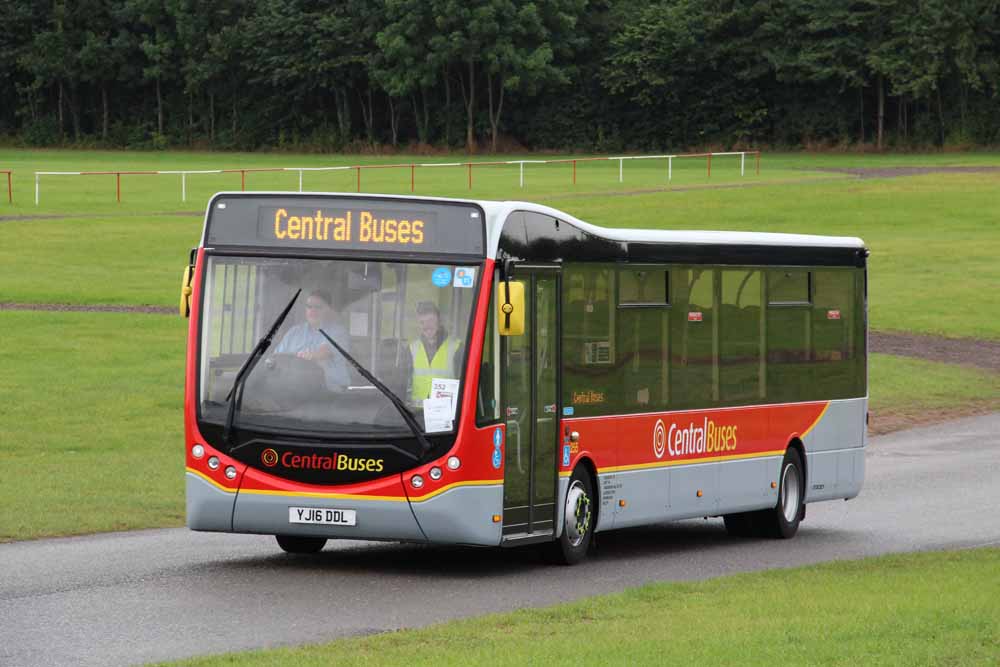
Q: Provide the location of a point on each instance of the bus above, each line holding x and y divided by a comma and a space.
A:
490, 373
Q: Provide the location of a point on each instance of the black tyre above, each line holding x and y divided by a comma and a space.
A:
300, 545
578, 521
782, 522
740, 525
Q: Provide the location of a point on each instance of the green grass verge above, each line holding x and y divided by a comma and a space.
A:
916, 609
91, 424
902, 384
134, 260
934, 238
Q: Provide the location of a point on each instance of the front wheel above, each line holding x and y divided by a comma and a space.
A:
783, 521
300, 545
578, 521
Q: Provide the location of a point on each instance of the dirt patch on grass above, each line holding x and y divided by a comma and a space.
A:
68, 308
898, 172
887, 421
974, 352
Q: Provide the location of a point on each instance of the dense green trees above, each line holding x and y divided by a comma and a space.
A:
574, 74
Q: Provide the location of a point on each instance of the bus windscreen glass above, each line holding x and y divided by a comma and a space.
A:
406, 323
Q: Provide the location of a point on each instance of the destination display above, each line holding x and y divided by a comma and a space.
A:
316, 222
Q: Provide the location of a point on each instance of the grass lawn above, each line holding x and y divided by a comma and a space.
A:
916, 609
934, 238
91, 424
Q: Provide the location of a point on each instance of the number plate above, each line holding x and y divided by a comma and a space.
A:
322, 516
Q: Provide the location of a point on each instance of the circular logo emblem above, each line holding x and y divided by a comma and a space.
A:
269, 457
441, 276
659, 439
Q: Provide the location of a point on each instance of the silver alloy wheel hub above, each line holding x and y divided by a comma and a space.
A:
577, 514
790, 493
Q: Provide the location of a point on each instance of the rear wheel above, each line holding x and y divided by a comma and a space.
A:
783, 521
300, 545
578, 521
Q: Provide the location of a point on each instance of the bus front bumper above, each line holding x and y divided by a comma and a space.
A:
461, 515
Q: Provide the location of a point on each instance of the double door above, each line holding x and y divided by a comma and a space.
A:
531, 394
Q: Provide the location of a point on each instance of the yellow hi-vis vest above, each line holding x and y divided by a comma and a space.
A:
425, 369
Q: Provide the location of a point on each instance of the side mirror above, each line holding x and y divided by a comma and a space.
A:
185, 304
510, 308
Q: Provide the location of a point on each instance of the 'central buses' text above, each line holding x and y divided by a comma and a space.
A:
708, 437
369, 228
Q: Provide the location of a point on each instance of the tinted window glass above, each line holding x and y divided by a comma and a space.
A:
642, 287
740, 335
788, 286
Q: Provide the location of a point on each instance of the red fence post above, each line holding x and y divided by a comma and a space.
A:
359, 178
10, 190
709, 165
411, 177
470, 175
118, 186
574, 172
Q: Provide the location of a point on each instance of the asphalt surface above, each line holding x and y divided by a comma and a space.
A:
130, 598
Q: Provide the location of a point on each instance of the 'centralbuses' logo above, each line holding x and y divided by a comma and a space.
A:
705, 438
659, 439
339, 462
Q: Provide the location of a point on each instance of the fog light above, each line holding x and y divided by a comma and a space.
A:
417, 481
454, 463
435, 473
213, 462
230, 472
197, 451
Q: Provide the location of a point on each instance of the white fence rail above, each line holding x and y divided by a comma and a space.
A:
469, 166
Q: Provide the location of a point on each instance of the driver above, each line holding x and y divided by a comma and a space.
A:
306, 342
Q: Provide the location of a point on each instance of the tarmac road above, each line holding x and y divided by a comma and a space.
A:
164, 594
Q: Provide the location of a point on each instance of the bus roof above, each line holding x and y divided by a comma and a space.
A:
497, 213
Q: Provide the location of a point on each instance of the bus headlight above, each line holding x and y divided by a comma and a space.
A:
230, 472
454, 463
197, 451
213, 462
417, 481
435, 473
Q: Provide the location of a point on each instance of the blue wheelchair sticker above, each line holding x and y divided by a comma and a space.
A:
565, 455
497, 457
441, 276
497, 437
568, 411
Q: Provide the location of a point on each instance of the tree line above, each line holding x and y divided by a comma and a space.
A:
594, 75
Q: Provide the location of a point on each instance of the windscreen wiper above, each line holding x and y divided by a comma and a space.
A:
395, 400
235, 396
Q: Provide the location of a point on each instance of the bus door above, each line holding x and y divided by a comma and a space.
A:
530, 371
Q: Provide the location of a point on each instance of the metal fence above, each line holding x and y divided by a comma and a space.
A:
412, 167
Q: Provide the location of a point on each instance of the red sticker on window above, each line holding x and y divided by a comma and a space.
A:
694, 317
833, 314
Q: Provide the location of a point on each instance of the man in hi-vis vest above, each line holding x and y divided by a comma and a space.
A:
433, 353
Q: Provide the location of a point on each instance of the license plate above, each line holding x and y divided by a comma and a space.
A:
322, 516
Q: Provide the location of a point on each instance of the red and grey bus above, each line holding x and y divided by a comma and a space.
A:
593, 378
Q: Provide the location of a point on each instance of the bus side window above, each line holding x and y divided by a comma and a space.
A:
789, 328
740, 337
